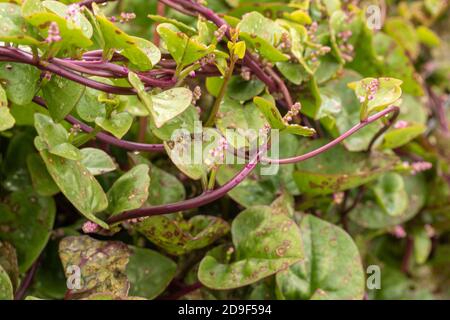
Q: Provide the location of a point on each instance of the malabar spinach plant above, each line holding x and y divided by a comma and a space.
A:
346, 101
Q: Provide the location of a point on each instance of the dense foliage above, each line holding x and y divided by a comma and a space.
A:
349, 100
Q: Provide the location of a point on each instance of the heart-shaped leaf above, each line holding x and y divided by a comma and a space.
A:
264, 243
181, 237
26, 221
19, 81
43, 183
276, 121
332, 267
14, 27
118, 123
337, 169
78, 185
130, 191
61, 96
97, 161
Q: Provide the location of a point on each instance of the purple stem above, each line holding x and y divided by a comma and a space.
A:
201, 200
331, 144
124, 144
24, 57
249, 60
208, 197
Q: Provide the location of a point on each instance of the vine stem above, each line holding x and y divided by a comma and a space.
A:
27, 280
248, 60
183, 291
124, 144
16, 55
345, 135
213, 195
223, 88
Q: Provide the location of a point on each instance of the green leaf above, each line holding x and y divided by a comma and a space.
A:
192, 156
331, 270
240, 124
97, 161
264, 243
163, 106
61, 96
130, 191
6, 288
74, 32
144, 55
255, 23
118, 123
164, 187
89, 107
19, 81
387, 91
422, 245
55, 138
169, 104
140, 52
337, 169
263, 47
242, 90
178, 237
7, 121
345, 109
187, 120
43, 183
14, 27
78, 185
102, 264
276, 121
390, 193
370, 215
397, 137
294, 72
26, 221
183, 49
8, 261
149, 272
403, 32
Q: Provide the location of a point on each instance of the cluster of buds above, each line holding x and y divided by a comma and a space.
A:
246, 73
312, 30
346, 48
285, 41
53, 33
126, 16
399, 232
320, 52
47, 76
400, 124
420, 166
295, 109
209, 59
220, 33
73, 13
196, 94
75, 129
338, 197
90, 227
371, 90
218, 153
